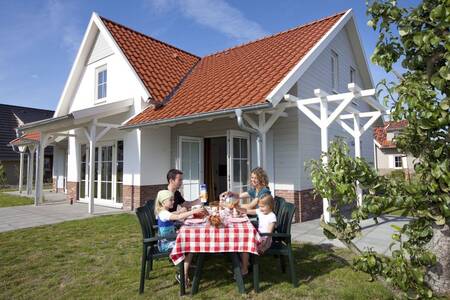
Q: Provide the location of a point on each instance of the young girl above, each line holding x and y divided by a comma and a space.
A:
164, 202
266, 224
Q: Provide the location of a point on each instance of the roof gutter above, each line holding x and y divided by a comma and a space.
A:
197, 117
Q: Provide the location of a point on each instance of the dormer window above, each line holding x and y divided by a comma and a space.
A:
101, 83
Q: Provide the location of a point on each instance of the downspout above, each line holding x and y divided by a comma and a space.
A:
258, 133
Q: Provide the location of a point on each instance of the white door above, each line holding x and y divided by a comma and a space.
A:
190, 162
238, 161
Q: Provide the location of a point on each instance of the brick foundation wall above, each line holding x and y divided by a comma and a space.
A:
72, 190
135, 196
307, 206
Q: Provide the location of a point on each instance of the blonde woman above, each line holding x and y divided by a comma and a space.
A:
259, 187
164, 202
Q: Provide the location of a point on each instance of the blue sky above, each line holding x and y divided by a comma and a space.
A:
39, 39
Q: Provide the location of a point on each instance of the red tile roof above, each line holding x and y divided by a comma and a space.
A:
160, 66
236, 77
380, 133
33, 136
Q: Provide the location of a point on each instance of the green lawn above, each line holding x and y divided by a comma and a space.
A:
7, 200
100, 258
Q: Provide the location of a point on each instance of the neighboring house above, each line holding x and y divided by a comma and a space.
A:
11, 117
387, 157
138, 107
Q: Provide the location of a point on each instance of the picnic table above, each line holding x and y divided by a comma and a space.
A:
234, 236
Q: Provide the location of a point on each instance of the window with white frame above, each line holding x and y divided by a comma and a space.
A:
334, 71
398, 162
101, 77
352, 74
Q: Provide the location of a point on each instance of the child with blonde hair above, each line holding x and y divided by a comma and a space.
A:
166, 226
266, 224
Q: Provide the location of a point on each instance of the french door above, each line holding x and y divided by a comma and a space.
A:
238, 160
108, 165
190, 162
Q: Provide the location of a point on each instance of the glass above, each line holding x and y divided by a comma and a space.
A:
185, 155
119, 150
195, 163
244, 150
236, 148
119, 171
119, 192
236, 171
244, 171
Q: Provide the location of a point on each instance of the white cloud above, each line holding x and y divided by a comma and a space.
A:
215, 14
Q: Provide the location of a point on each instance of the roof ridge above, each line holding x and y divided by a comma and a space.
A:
275, 34
26, 107
149, 37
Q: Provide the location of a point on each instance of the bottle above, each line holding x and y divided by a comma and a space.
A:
203, 194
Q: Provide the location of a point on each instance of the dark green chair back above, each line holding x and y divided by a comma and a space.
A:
146, 217
278, 203
284, 218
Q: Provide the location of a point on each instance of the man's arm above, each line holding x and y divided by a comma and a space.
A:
189, 204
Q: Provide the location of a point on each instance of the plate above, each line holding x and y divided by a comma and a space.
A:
237, 220
194, 221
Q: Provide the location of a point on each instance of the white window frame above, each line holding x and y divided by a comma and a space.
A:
179, 163
97, 71
334, 60
395, 162
231, 157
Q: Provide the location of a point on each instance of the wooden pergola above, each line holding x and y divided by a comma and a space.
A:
342, 113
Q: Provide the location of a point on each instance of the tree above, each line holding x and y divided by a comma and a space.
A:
417, 39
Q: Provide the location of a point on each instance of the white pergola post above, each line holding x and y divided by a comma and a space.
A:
357, 137
30, 166
40, 169
92, 143
325, 119
21, 165
324, 143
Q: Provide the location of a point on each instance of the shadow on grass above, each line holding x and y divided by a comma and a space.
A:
311, 261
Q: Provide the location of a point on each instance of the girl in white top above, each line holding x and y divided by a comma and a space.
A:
266, 224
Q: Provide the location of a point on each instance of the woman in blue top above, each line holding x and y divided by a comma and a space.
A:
259, 182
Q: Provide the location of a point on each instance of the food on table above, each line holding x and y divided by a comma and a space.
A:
215, 220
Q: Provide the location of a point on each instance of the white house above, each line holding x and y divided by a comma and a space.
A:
134, 107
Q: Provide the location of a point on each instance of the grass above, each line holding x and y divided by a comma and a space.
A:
100, 258
7, 200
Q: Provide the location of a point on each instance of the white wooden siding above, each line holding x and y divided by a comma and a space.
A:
100, 49
296, 138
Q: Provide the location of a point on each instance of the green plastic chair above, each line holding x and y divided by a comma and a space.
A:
281, 244
150, 251
278, 203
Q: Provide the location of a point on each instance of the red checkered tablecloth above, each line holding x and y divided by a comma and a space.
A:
238, 237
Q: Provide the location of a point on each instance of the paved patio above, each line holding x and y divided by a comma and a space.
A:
49, 196
17, 217
376, 236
